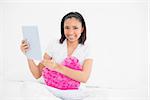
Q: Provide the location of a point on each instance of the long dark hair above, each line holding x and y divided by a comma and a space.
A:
81, 19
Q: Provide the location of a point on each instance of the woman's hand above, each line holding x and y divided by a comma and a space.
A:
50, 63
24, 46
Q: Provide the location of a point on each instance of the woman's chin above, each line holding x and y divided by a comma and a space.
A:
72, 40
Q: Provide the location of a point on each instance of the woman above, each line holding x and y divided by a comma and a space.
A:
71, 43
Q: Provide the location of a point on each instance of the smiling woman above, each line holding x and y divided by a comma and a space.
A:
116, 31
68, 60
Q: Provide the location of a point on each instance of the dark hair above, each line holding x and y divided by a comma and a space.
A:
81, 19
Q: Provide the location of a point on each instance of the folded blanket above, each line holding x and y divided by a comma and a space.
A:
60, 81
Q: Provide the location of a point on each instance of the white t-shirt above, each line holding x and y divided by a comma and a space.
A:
59, 51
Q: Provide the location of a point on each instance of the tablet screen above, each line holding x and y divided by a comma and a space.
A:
30, 33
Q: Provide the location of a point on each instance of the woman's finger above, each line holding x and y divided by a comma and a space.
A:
43, 62
26, 48
23, 41
25, 44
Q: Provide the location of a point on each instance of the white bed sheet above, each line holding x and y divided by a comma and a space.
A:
19, 90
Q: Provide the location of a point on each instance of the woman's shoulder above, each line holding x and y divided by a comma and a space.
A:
87, 50
54, 41
85, 46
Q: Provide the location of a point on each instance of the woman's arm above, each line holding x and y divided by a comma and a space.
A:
81, 76
36, 70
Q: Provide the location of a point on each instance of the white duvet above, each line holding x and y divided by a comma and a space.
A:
33, 90
14, 90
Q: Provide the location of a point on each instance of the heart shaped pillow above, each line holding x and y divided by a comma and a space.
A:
60, 81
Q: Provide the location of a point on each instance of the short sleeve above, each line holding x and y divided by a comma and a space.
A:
49, 49
52, 47
88, 53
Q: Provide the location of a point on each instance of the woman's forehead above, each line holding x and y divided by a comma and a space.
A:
72, 21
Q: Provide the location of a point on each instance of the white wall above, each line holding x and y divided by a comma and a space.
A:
117, 33
1, 12
149, 49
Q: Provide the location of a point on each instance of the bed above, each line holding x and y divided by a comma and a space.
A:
34, 90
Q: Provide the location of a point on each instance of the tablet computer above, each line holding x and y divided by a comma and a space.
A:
30, 33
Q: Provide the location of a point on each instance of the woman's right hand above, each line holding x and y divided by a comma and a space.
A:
24, 46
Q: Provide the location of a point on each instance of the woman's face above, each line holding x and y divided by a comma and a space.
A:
72, 29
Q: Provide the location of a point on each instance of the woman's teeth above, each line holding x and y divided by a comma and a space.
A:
71, 37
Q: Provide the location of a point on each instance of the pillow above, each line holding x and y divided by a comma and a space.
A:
60, 81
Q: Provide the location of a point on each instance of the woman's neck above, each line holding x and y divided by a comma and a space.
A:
72, 44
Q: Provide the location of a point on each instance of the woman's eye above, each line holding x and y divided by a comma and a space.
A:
66, 27
70, 27
75, 27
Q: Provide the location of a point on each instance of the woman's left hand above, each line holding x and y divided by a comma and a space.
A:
50, 63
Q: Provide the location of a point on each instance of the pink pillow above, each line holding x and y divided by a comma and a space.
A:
60, 81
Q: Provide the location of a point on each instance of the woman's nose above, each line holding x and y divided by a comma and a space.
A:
71, 31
